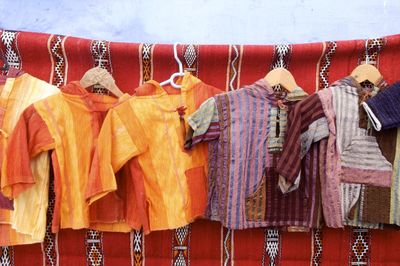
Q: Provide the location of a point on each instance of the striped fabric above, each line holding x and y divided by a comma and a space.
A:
67, 124
353, 156
362, 161
148, 129
383, 109
243, 191
395, 189
16, 95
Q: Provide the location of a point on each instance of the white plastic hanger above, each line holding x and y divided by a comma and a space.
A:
176, 74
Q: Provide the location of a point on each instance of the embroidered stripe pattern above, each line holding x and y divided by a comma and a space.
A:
9, 46
137, 236
272, 243
323, 74
58, 58
323, 83
360, 238
191, 54
233, 69
180, 246
181, 238
146, 62
272, 237
360, 247
137, 248
7, 256
227, 237
316, 258
100, 51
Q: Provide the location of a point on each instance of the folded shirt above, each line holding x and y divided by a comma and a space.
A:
384, 109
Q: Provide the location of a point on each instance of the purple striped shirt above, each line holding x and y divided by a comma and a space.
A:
243, 184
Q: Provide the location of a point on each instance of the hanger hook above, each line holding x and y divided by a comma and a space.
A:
177, 57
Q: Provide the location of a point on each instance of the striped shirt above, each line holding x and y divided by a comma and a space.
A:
353, 156
244, 129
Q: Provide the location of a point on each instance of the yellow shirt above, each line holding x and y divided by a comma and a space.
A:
149, 129
27, 223
68, 124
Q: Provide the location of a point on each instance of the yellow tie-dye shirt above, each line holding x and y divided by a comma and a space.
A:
149, 129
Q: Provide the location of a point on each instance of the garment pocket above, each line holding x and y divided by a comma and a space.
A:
255, 203
197, 186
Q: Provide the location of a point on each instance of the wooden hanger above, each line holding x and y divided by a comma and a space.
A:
281, 76
101, 76
367, 72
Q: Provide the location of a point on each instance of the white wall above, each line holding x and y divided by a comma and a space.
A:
205, 21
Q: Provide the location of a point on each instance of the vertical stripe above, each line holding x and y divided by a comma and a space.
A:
58, 78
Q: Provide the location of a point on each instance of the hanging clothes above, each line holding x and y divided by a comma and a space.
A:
26, 223
382, 110
245, 130
353, 155
67, 124
150, 129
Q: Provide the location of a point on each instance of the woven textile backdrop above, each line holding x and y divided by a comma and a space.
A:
60, 59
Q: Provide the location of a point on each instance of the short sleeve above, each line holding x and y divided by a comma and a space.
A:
29, 138
204, 124
306, 124
120, 139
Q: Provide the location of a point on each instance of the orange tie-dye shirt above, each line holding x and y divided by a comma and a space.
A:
67, 124
27, 222
148, 129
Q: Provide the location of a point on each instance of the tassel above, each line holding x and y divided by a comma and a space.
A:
181, 111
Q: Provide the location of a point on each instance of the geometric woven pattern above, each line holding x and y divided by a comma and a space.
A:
181, 246
227, 246
323, 76
137, 245
316, 247
372, 49
50, 243
360, 247
145, 60
102, 58
9, 47
235, 56
191, 53
6, 256
272, 247
58, 60
281, 56
94, 248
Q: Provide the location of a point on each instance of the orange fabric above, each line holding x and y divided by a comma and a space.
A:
67, 123
15, 95
147, 128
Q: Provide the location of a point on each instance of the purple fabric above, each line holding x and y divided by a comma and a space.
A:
5, 203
